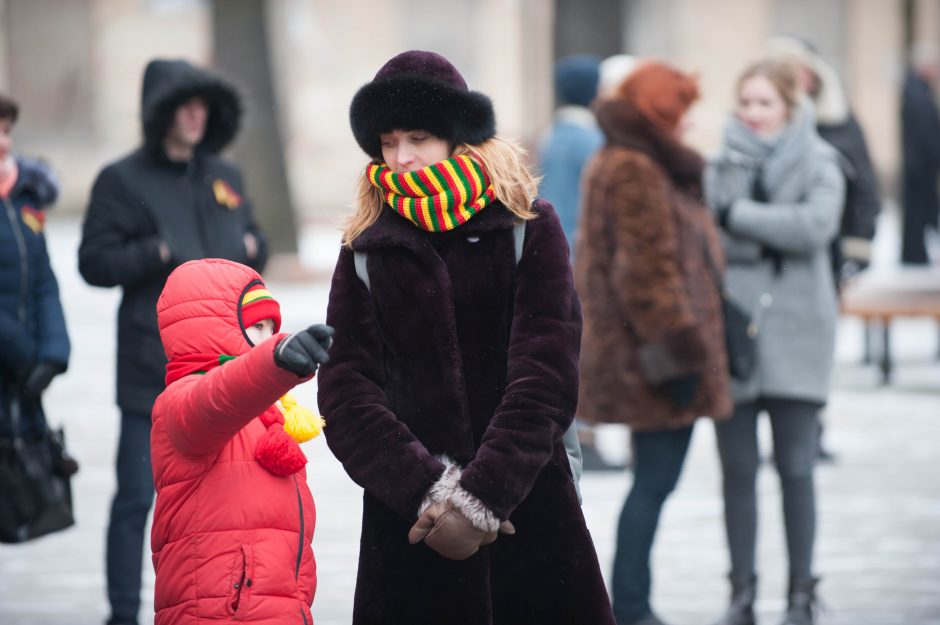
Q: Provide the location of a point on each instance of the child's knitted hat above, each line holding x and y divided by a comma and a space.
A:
419, 90
257, 304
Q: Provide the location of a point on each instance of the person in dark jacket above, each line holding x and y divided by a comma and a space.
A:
920, 133
454, 374
837, 125
850, 250
648, 267
35, 343
170, 201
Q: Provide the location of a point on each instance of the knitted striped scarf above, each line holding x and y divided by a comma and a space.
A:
439, 197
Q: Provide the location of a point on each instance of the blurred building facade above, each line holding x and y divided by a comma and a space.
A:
76, 66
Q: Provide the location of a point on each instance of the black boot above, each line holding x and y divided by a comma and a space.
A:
741, 610
801, 604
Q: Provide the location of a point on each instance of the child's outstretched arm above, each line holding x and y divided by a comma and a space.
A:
203, 412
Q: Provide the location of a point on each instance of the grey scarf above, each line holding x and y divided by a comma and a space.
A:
786, 160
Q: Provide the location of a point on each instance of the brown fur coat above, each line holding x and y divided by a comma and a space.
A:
651, 306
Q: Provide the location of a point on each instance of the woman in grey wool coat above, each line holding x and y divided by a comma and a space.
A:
778, 192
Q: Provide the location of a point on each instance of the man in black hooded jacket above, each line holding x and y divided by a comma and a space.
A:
170, 201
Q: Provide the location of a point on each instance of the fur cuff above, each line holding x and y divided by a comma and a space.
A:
475, 510
444, 487
447, 487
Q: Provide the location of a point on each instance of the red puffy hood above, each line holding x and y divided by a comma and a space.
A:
199, 310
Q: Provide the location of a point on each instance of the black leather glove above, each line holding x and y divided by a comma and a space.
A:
39, 378
775, 257
682, 390
304, 351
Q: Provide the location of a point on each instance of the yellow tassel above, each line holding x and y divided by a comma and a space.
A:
299, 421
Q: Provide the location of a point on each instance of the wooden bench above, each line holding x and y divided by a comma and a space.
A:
879, 297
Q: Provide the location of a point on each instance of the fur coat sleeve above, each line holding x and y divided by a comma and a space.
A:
400, 470
542, 375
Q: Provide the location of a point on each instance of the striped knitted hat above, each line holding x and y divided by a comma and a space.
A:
419, 90
257, 305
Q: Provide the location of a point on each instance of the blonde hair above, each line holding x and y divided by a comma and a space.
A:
782, 74
504, 161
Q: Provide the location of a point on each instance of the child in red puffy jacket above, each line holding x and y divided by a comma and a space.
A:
234, 517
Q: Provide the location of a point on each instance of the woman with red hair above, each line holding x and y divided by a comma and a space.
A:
652, 353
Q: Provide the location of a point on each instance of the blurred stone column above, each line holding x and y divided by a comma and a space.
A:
875, 45
588, 26
717, 40
4, 45
926, 21
513, 59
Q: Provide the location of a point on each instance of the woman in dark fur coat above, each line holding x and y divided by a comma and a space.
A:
648, 262
455, 369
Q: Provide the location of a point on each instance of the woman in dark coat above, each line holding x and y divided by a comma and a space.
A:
454, 371
647, 268
35, 344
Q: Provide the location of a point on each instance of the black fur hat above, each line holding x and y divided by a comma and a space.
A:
419, 90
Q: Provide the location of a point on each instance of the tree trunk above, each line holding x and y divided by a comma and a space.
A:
240, 45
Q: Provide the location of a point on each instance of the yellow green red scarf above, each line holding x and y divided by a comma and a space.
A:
439, 197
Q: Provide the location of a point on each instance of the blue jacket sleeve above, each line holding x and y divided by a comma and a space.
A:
53, 343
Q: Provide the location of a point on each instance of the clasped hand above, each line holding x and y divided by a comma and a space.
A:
446, 530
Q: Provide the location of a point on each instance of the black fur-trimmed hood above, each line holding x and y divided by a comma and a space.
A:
418, 99
169, 83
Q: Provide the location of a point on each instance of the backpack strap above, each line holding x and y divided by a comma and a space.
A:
518, 235
359, 259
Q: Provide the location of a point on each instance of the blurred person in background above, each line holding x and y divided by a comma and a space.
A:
837, 125
453, 377
850, 251
653, 344
570, 141
170, 201
920, 134
778, 191
35, 343
614, 70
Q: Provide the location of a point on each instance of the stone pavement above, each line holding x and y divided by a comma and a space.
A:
879, 517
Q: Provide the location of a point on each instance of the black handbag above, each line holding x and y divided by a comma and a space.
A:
740, 338
740, 329
35, 487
